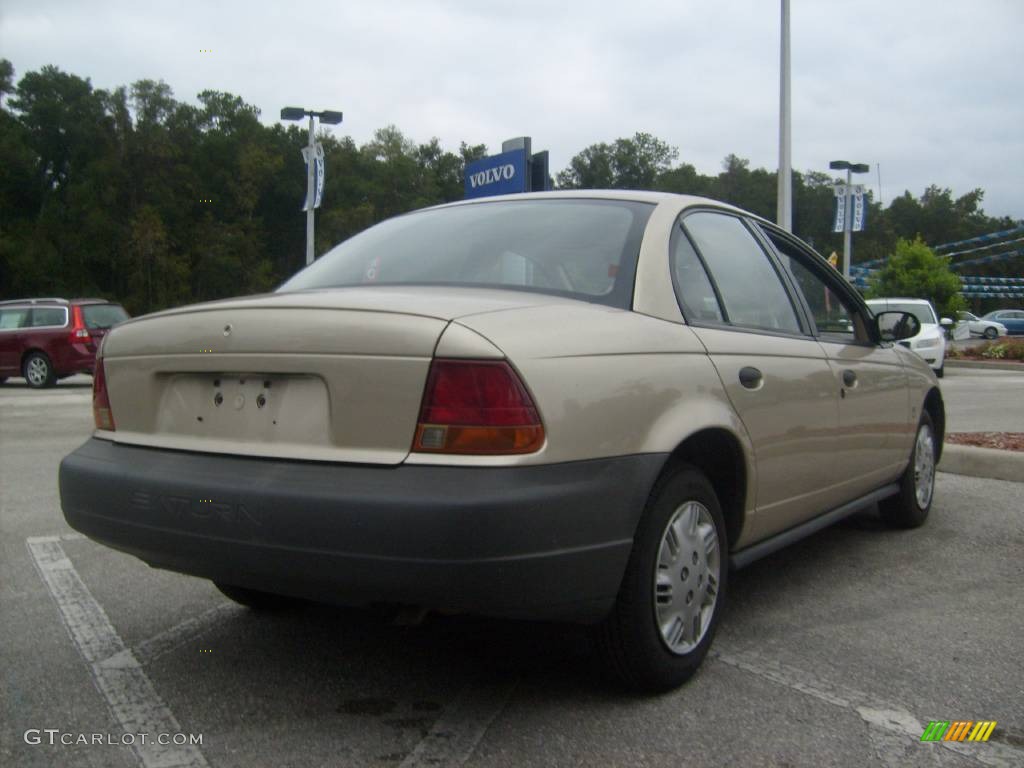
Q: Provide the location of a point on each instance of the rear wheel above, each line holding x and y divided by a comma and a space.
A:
990, 333
38, 371
909, 508
255, 599
673, 590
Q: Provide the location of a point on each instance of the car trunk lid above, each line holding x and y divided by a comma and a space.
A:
321, 375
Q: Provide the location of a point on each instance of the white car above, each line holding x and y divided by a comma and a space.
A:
989, 329
930, 341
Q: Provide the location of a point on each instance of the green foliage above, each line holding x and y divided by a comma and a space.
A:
915, 271
135, 195
634, 163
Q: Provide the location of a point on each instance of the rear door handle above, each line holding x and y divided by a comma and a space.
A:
849, 378
750, 377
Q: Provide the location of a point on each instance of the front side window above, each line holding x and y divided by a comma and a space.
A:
752, 291
582, 248
834, 318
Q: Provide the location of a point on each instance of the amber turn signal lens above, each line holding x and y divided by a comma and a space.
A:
432, 438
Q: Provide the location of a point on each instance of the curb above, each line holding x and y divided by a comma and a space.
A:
995, 365
982, 462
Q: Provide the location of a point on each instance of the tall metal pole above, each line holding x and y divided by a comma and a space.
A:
309, 193
784, 216
846, 226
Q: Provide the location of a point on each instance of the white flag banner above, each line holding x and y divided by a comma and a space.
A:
839, 223
318, 173
860, 209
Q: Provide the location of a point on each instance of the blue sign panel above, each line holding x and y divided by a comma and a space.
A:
502, 174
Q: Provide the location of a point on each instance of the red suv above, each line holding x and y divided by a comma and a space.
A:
49, 339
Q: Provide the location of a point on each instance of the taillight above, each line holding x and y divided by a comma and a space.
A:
78, 330
101, 413
477, 407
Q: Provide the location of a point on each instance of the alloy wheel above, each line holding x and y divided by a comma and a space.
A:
37, 371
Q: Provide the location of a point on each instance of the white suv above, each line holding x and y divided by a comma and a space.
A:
930, 342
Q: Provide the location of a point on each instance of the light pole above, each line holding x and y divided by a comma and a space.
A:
784, 213
850, 168
326, 116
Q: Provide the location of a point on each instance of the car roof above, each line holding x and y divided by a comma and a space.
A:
629, 195
53, 302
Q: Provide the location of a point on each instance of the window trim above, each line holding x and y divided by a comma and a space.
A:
773, 261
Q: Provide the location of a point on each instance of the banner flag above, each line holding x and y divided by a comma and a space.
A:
318, 174
839, 222
860, 209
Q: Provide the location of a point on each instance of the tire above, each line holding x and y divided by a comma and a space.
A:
38, 371
3, 379
941, 371
909, 508
990, 333
671, 597
254, 599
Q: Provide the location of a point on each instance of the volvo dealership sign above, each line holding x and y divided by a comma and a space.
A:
502, 174
514, 170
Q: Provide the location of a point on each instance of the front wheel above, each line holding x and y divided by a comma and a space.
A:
990, 333
673, 591
909, 508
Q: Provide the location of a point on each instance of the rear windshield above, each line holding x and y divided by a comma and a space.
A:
586, 249
103, 315
923, 312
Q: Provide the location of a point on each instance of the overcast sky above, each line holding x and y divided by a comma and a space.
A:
929, 91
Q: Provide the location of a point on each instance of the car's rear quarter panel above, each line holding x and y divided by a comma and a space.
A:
608, 382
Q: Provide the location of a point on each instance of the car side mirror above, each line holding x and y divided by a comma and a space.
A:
894, 326
946, 322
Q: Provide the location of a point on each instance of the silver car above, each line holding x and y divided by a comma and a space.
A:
582, 406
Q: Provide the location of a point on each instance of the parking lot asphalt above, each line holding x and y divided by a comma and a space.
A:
837, 651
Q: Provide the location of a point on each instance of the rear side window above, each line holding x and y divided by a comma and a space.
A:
693, 287
13, 318
751, 289
103, 315
48, 316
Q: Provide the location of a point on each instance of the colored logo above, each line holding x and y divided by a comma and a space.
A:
958, 730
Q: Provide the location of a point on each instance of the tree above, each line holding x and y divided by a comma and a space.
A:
634, 163
915, 271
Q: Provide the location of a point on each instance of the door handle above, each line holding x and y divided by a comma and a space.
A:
849, 378
750, 377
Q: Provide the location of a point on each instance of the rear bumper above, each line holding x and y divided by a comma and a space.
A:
541, 542
75, 358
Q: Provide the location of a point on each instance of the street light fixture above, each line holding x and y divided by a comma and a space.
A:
330, 118
850, 168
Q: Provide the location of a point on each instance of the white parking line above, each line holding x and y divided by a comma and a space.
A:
461, 726
171, 639
887, 716
119, 677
